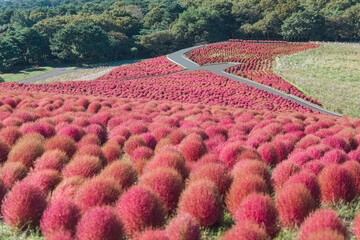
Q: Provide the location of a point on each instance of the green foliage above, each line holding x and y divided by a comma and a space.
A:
10, 54
83, 42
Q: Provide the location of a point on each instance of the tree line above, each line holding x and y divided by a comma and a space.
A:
85, 31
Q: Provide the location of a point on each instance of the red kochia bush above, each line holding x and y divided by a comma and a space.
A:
230, 153
133, 143
354, 168
3, 190
54, 159
192, 147
294, 202
23, 205
63, 143
111, 151
141, 153
327, 234
321, 220
259, 209
100, 223
4, 151
10, 135
183, 227
97, 192
283, 172
251, 167
85, 166
46, 179
245, 230
268, 153
241, 188
60, 235
122, 172
62, 214
337, 141
166, 182
139, 208
314, 166
92, 150
168, 158
12, 172
153, 234
336, 183
201, 200
26, 151
334, 156
309, 180
215, 172
67, 188
72, 131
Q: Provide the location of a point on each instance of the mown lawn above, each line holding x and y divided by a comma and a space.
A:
24, 74
330, 74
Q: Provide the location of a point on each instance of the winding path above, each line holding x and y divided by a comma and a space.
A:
180, 59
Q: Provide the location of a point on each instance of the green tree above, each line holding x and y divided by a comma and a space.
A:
10, 54
81, 43
158, 43
305, 25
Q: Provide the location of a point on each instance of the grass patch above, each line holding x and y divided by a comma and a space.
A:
71, 68
24, 74
7, 233
330, 74
216, 231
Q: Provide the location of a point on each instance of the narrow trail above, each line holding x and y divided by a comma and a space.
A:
180, 59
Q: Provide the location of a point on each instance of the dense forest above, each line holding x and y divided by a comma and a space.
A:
36, 32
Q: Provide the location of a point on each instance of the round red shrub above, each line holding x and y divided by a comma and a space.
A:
4, 151
94, 107
62, 143
281, 150
168, 158
192, 147
354, 168
300, 158
97, 192
176, 136
111, 151
54, 159
314, 166
336, 183
122, 172
100, 223
183, 227
45, 129
120, 131
139, 208
321, 220
85, 166
241, 188
62, 214
150, 140
309, 180
26, 151
12, 172
167, 183
46, 179
10, 135
334, 156
89, 139
141, 153
98, 130
3, 191
246, 230
283, 172
202, 200
268, 153
337, 141
251, 167
259, 209
133, 143
72, 131
153, 234
317, 151
230, 153
294, 202
327, 234
215, 172
308, 141
67, 188
23, 205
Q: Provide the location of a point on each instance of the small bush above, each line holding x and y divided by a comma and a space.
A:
139, 208
309, 180
268, 153
67, 188
100, 223
26, 151
62, 143
183, 227
153, 234
192, 147
85, 166
12, 172
251, 167
282, 173
4, 151
46, 179
327, 234
111, 151
141, 153
54, 159
72, 131
10, 135
133, 143
122, 172
245, 230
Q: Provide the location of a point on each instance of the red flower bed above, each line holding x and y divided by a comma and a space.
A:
150, 67
188, 87
255, 60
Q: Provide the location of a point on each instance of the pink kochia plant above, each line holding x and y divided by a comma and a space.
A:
153, 234
100, 223
62, 214
12, 172
122, 172
321, 220
183, 227
246, 230
23, 205
139, 208
259, 209
202, 201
